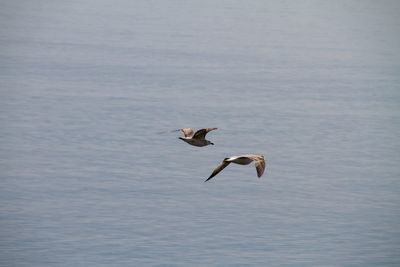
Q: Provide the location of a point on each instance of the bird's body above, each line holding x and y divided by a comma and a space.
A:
196, 142
242, 160
259, 163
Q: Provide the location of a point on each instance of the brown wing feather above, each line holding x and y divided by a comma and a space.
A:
219, 168
260, 166
201, 134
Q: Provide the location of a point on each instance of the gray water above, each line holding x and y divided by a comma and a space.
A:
314, 86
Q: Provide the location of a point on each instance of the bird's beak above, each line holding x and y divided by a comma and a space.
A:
212, 143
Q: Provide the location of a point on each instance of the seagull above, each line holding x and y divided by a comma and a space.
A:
259, 162
195, 138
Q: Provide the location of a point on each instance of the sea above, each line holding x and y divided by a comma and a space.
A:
86, 178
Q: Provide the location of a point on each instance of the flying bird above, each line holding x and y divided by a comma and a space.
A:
259, 162
195, 138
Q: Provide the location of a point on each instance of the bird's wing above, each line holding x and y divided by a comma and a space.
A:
259, 162
187, 132
201, 134
219, 168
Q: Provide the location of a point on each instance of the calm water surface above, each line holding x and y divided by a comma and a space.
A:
312, 85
